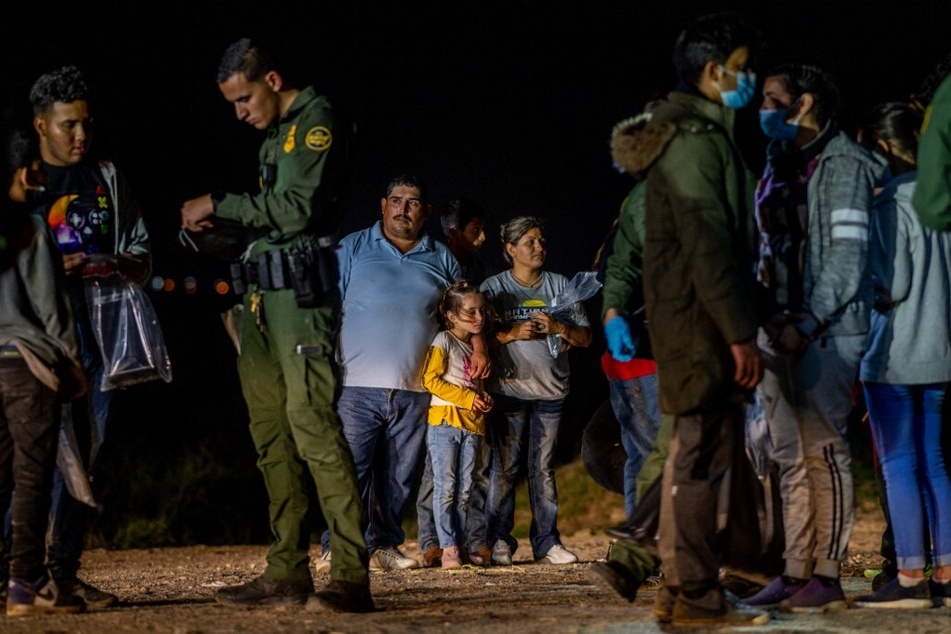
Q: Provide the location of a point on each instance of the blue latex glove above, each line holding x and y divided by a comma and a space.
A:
620, 342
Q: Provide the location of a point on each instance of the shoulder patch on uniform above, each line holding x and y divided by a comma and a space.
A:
318, 138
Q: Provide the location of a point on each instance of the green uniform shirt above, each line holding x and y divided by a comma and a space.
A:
932, 197
308, 152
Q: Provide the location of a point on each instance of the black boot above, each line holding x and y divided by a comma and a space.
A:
341, 596
266, 591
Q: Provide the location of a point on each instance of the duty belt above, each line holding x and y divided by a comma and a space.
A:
271, 272
310, 270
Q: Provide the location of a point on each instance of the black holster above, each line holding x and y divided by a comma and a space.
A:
309, 269
313, 273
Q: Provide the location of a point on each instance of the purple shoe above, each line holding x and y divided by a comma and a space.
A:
778, 590
816, 597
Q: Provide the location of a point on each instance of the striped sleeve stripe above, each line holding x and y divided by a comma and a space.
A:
853, 216
850, 232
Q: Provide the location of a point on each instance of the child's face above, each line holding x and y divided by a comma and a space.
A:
471, 237
471, 316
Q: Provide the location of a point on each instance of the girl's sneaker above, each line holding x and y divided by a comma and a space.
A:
451, 557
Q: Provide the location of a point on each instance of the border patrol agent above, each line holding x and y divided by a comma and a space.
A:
291, 306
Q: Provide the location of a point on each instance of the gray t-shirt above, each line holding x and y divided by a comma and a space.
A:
526, 369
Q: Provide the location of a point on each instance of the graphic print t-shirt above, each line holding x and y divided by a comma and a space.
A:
79, 209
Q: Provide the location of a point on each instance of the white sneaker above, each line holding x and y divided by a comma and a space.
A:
391, 559
559, 555
501, 553
323, 564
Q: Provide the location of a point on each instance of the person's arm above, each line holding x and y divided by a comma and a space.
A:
578, 336
881, 262
434, 367
344, 254
50, 302
623, 272
706, 230
844, 198
902, 263
133, 257
622, 291
481, 365
197, 213
500, 333
519, 331
133, 267
932, 197
309, 188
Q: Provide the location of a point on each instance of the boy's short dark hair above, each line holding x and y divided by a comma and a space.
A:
711, 38
458, 213
65, 85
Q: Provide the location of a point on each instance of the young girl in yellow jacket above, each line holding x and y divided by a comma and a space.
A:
456, 415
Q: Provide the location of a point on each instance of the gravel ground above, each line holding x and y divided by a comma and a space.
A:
172, 590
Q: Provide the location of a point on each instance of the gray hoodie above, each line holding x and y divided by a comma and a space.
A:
35, 313
910, 336
837, 286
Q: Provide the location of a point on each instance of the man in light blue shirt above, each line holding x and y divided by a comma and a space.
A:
391, 277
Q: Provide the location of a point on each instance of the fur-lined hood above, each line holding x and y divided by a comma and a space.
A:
635, 145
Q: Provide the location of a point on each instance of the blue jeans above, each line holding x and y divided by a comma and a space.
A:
453, 458
478, 492
539, 421
90, 417
635, 405
385, 430
906, 425
426, 533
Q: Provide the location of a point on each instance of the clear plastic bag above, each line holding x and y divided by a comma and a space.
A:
566, 305
69, 462
128, 333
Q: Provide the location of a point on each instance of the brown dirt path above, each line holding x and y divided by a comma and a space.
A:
172, 589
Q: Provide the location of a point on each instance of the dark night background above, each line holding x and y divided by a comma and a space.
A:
510, 103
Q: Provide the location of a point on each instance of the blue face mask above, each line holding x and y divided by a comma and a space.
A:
773, 124
745, 89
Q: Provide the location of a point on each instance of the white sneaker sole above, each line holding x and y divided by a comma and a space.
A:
899, 604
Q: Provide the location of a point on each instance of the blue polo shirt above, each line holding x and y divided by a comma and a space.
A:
390, 308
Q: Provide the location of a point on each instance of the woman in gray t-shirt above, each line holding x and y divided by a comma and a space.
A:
530, 386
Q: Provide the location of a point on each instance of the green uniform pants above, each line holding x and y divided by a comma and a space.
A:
290, 396
638, 561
